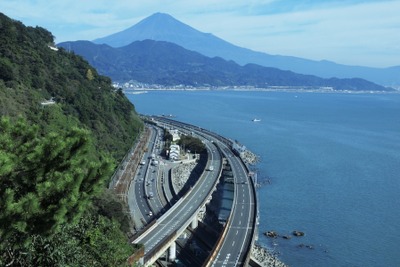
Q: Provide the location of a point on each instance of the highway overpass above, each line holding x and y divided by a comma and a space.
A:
233, 247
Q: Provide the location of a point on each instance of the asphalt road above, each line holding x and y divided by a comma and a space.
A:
238, 238
143, 183
183, 210
236, 243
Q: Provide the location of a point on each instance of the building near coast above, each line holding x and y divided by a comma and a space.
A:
174, 152
175, 135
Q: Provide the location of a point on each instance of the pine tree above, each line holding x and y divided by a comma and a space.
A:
45, 181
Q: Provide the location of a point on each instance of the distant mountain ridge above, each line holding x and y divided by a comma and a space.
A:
160, 62
163, 27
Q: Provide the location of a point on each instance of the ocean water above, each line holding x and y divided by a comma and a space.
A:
333, 161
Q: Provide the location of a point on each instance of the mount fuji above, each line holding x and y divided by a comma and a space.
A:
163, 27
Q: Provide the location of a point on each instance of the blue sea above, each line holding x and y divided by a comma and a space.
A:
333, 161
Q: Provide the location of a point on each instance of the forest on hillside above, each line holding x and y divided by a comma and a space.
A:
63, 129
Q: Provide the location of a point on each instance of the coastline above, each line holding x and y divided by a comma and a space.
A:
264, 258
272, 138
283, 89
135, 87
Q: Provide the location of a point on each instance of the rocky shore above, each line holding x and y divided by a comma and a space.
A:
265, 258
249, 157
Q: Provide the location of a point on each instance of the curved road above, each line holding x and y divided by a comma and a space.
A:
144, 182
183, 210
238, 238
236, 244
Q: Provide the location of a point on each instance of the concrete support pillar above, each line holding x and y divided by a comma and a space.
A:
194, 223
172, 252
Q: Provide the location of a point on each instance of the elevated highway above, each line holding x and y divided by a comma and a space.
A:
239, 230
236, 240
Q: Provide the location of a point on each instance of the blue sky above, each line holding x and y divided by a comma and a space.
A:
352, 32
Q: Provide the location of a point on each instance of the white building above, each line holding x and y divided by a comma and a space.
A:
174, 152
175, 135
48, 102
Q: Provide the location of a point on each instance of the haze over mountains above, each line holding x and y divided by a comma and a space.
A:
175, 61
163, 27
165, 63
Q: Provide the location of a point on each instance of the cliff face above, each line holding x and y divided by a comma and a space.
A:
57, 89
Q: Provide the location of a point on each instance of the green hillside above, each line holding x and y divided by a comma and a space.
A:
31, 72
63, 129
